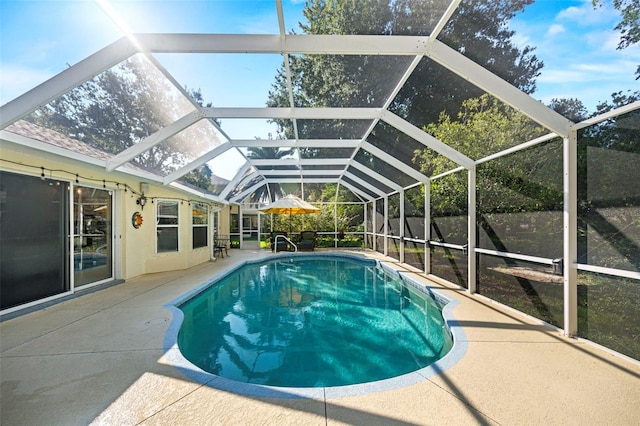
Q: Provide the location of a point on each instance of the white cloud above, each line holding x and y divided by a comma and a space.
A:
591, 82
572, 13
587, 15
17, 79
521, 39
620, 70
563, 76
578, 46
598, 70
555, 29
616, 69
606, 42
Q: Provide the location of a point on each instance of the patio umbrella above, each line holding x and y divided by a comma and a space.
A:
290, 205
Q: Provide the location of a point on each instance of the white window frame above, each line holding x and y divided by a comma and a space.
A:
204, 207
160, 226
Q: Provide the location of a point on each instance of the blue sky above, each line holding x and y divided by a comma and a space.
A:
578, 47
41, 38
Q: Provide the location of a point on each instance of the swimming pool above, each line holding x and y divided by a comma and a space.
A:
309, 321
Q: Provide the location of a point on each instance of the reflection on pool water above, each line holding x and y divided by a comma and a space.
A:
312, 321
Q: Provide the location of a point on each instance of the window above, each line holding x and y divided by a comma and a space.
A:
167, 226
235, 225
200, 224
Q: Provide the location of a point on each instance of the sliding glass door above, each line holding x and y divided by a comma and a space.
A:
37, 218
92, 235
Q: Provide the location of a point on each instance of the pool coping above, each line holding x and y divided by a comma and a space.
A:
175, 358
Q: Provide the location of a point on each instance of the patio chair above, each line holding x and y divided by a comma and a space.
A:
282, 244
307, 240
220, 245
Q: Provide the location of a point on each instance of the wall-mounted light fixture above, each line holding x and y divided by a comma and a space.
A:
141, 201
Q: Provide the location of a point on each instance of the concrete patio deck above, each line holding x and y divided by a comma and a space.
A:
99, 359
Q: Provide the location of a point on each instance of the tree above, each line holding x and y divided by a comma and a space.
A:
484, 119
629, 26
201, 177
267, 153
477, 29
571, 108
519, 196
349, 216
498, 127
621, 133
273, 191
608, 196
123, 105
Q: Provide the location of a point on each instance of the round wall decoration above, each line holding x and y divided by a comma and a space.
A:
136, 220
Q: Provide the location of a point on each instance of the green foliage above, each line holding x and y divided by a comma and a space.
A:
336, 80
617, 134
629, 25
124, 105
329, 241
200, 177
479, 29
414, 201
449, 195
571, 108
273, 191
267, 153
349, 212
484, 126
111, 112
608, 198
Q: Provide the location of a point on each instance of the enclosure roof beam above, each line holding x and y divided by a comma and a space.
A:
364, 184
499, 88
220, 149
426, 139
610, 114
387, 158
444, 20
309, 44
236, 179
66, 80
196, 192
152, 140
293, 113
377, 176
301, 180
312, 44
248, 191
331, 172
291, 143
358, 192
302, 162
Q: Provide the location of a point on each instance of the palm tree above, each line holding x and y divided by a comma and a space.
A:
268, 153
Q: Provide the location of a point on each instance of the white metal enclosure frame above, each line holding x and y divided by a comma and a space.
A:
347, 171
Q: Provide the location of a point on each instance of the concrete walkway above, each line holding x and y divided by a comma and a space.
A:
100, 359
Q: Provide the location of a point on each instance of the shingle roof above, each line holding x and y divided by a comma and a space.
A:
42, 134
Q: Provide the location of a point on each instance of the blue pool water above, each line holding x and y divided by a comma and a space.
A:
312, 321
